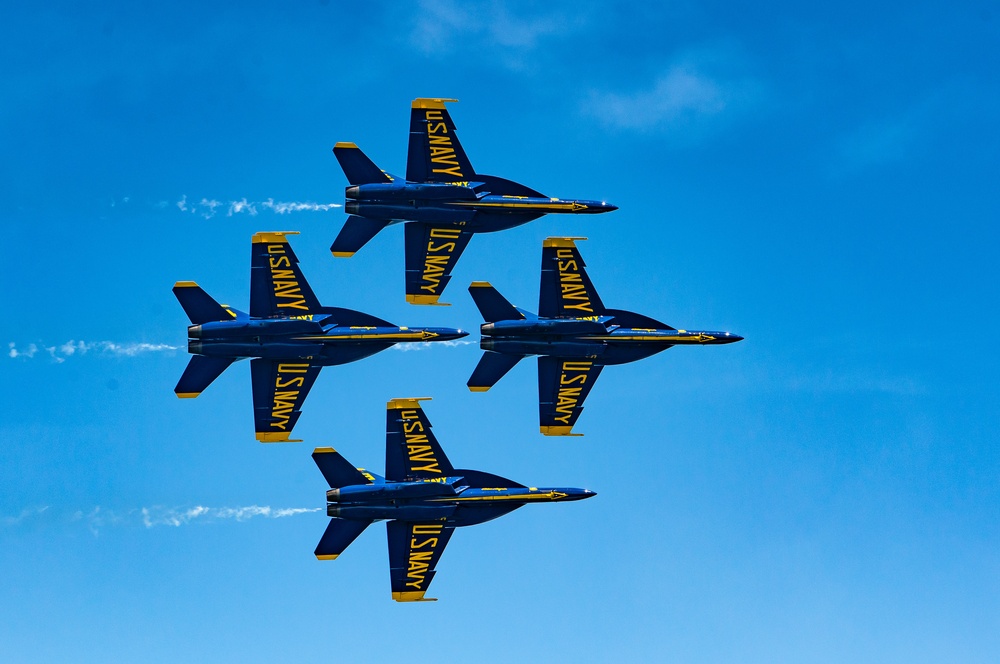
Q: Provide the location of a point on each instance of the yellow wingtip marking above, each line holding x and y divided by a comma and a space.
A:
561, 241
185, 284
478, 388
272, 236
410, 596
324, 450
187, 395
480, 284
326, 556
275, 437
558, 431
345, 144
426, 299
405, 402
431, 102
342, 254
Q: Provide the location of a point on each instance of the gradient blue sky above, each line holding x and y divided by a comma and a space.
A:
819, 179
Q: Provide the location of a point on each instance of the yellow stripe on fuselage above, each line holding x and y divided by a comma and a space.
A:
549, 495
393, 336
549, 207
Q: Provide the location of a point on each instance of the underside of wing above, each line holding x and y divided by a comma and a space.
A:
277, 285
414, 552
566, 289
412, 452
563, 385
279, 390
432, 251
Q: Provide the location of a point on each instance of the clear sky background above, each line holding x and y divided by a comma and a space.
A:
821, 179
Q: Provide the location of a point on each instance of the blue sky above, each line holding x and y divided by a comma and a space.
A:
819, 179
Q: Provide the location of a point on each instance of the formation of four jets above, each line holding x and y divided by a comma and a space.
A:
289, 337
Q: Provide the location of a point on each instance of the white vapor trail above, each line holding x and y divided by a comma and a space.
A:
60, 352
424, 345
97, 517
206, 208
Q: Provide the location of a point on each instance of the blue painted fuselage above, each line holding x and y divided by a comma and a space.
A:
314, 337
593, 337
471, 204
447, 499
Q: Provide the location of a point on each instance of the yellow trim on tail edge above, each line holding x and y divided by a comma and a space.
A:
345, 144
324, 450
327, 556
275, 437
411, 596
561, 241
271, 236
480, 284
430, 102
558, 431
426, 299
405, 402
185, 284
187, 395
342, 254
479, 388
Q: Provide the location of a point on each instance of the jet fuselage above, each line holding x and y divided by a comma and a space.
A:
441, 498
461, 202
304, 338
589, 337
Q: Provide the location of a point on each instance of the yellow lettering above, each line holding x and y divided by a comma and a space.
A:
293, 368
444, 246
298, 381
276, 249
280, 262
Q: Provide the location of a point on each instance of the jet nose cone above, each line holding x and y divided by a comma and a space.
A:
732, 338
610, 208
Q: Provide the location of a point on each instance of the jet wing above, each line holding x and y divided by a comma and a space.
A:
566, 289
563, 385
432, 251
279, 390
414, 551
434, 153
277, 286
411, 450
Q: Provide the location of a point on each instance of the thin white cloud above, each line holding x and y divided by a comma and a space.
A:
424, 345
60, 353
208, 208
98, 518
442, 26
25, 514
680, 92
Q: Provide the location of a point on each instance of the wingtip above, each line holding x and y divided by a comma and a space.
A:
479, 388
272, 237
405, 402
187, 395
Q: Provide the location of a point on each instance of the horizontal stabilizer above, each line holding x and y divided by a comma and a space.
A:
336, 469
491, 368
356, 233
199, 306
634, 320
200, 373
492, 305
338, 536
358, 168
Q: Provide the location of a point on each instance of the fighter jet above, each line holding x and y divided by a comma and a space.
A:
574, 336
422, 497
442, 198
287, 332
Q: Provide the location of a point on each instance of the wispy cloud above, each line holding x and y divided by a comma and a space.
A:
208, 208
697, 87
424, 345
60, 353
98, 518
442, 26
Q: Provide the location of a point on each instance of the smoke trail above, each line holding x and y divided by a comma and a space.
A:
61, 352
207, 208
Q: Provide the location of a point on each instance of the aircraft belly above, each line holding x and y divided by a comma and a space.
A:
554, 348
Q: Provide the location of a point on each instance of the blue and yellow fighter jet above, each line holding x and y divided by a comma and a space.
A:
287, 332
422, 496
574, 336
442, 197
